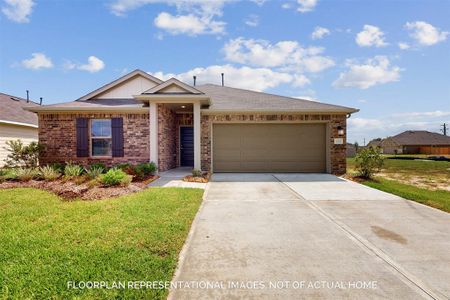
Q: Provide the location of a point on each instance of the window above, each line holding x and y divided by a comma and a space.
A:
101, 139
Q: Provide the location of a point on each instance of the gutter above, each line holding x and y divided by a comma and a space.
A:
319, 112
88, 109
18, 123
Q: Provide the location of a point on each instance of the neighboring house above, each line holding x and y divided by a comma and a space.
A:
415, 142
351, 150
140, 118
16, 123
375, 143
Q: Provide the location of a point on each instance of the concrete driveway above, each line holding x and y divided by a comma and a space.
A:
289, 236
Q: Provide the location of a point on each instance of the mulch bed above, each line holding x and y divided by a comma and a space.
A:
69, 189
201, 179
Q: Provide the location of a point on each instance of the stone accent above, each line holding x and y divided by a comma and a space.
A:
167, 133
336, 153
57, 131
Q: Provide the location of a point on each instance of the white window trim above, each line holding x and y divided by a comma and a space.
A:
98, 138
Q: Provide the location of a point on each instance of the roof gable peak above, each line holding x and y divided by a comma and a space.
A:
172, 86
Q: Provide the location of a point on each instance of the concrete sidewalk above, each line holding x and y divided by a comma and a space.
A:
255, 230
174, 178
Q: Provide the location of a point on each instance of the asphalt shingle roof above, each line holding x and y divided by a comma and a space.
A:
11, 110
420, 137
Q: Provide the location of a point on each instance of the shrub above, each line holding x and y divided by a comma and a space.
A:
115, 177
9, 174
127, 168
26, 174
23, 155
98, 165
49, 173
145, 169
94, 171
196, 173
368, 162
72, 170
58, 166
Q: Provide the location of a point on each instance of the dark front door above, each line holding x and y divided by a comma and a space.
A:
187, 146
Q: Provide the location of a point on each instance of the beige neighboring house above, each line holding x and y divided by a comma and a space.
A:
140, 118
16, 123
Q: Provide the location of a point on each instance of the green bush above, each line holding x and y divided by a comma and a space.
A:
115, 177
196, 173
26, 174
49, 173
98, 165
9, 174
368, 162
72, 170
94, 171
127, 168
145, 169
58, 166
23, 155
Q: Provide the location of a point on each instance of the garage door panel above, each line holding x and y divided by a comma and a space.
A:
269, 147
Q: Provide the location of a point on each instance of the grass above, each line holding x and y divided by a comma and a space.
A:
438, 199
45, 242
417, 180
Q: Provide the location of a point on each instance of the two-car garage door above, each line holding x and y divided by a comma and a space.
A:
269, 148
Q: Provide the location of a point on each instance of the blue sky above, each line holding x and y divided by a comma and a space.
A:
390, 59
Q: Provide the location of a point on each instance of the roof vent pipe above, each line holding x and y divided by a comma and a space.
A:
40, 101
222, 79
28, 96
195, 79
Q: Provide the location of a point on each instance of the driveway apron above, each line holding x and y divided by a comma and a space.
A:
255, 238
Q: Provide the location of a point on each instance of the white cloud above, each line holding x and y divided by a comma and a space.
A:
37, 61
188, 24
94, 65
193, 17
300, 80
258, 79
426, 34
362, 101
286, 5
306, 5
375, 71
403, 46
18, 10
288, 55
252, 20
319, 33
437, 113
370, 36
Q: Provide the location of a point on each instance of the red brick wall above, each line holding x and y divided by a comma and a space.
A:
336, 153
58, 133
167, 133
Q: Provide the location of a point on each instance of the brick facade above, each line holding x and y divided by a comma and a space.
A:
57, 131
336, 152
167, 133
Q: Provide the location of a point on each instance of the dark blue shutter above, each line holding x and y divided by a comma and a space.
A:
82, 137
117, 137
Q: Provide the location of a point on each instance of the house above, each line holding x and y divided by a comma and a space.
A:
16, 123
415, 142
140, 118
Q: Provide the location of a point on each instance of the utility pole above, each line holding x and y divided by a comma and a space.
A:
444, 128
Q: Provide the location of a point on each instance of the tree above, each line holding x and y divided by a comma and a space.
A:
23, 155
368, 162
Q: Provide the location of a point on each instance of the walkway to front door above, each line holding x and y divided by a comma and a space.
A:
187, 146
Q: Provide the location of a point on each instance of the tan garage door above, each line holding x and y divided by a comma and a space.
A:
269, 148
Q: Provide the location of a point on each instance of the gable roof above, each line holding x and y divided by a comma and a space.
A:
225, 98
12, 111
173, 82
420, 137
119, 81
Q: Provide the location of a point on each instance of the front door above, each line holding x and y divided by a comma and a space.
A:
187, 146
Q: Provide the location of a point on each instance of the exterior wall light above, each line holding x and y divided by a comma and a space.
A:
340, 131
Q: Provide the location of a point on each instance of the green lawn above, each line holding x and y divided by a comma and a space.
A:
418, 180
437, 199
45, 242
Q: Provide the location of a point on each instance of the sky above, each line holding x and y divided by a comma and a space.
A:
390, 59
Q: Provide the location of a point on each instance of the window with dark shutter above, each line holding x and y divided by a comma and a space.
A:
117, 137
82, 137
